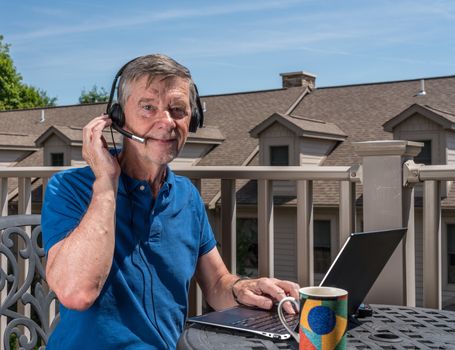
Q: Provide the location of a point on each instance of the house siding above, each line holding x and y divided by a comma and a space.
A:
285, 249
313, 152
450, 149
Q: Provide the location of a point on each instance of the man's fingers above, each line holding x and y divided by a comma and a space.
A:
291, 288
251, 299
263, 292
87, 131
95, 148
97, 131
289, 307
271, 287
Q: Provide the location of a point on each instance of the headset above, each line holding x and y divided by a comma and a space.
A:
115, 111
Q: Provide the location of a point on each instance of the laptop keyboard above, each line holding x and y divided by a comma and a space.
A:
269, 323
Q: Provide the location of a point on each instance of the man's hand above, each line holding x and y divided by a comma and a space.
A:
264, 292
95, 151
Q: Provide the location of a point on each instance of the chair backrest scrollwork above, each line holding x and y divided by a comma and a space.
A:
27, 306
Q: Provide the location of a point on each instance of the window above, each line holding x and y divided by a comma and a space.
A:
451, 253
424, 157
247, 247
57, 159
322, 259
279, 155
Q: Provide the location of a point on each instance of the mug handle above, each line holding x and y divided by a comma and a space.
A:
282, 318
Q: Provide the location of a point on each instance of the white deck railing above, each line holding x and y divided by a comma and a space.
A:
29, 177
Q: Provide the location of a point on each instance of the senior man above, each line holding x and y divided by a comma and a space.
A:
125, 235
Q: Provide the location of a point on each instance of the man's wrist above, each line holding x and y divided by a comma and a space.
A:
232, 288
105, 185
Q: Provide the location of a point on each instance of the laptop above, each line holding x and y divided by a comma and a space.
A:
355, 269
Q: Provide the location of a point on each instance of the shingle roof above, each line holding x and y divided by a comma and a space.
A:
16, 140
207, 134
27, 121
73, 135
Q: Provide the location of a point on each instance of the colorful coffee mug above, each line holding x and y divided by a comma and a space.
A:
323, 318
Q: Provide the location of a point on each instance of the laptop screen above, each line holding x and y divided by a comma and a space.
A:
360, 261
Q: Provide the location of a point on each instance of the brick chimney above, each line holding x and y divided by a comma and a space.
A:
296, 79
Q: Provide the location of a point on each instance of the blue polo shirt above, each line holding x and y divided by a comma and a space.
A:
144, 301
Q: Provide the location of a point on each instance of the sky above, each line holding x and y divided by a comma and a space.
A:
64, 47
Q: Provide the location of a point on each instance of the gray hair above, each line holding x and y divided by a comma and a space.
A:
151, 66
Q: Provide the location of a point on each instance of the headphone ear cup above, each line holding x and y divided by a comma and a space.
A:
117, 115
197, 115
194, 122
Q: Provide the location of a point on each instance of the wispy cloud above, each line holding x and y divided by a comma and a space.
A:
152, 16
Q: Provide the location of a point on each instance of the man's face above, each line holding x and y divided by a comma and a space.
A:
161, 114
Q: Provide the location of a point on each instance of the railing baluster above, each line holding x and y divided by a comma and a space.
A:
4, 260
347, 211
409, 246
25, 195
265, 229
305, 246
228, 224
432, 294
3, 196
45, 180
195, 300
24, 207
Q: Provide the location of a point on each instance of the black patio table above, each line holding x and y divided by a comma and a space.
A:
390, 327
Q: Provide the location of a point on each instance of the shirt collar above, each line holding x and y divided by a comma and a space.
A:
128, 184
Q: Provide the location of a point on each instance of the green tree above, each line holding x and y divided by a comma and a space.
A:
14, 94
94, 95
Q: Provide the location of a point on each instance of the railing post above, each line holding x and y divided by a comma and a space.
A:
265, 229
228, 225
432, 293
384, 207
305, 246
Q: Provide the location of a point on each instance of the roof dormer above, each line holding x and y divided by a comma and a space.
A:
434, 127
308, 141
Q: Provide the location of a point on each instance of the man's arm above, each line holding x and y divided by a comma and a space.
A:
78, 265
218, 287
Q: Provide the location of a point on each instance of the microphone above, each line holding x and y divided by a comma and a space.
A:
128, 134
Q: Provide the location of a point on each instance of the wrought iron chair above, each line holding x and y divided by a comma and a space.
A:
27, 308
